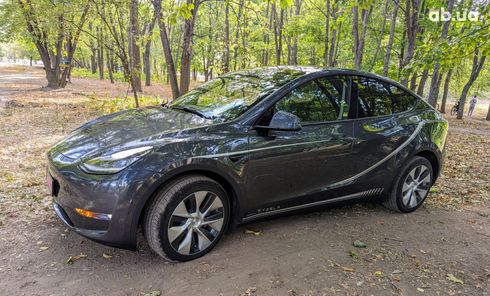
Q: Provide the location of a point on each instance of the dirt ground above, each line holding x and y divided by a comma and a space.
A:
441, 249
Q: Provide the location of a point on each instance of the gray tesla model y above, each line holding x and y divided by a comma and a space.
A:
245, 146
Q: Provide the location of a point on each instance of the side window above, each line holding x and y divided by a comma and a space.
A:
319, 100
402, 101
374, 98
377, 98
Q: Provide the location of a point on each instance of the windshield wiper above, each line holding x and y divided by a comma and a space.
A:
189, 110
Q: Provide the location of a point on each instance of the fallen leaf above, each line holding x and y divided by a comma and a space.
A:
359, 244
454, 279
249, 291
106, 256
352, 254
72, 259
153, 293
348, 269
254, 232
420, 289
43, 248
378, 273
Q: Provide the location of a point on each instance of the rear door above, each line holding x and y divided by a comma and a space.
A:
288, 168
383, 124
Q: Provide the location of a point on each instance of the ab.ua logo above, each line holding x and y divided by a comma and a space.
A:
441, 15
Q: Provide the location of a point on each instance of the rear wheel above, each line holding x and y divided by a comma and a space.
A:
187, 218
411, 186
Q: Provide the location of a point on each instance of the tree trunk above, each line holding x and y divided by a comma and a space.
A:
478, 62
423, 80
269, 17
134, 45
100, 53
185, 61
327, 29
335, 32
337, 46
413, 82
147, 52
365, 16
358, 48
435, 82
244, 42
93, 56
237, 35
171, 73
446, 91
110, 65
278, 23
355, 36
294, 49
411, 17
488, 113
226, 56
381, 34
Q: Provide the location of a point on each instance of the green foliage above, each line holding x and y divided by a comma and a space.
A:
253, 33
106, 106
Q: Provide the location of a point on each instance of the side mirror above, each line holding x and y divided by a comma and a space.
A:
282, 121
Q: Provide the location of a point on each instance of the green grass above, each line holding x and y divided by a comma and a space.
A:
86, 73
118, 76
107, 106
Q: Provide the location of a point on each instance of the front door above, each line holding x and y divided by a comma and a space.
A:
288, 168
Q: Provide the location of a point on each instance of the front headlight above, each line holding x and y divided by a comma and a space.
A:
114, 163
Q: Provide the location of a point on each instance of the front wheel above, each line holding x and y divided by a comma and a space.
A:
411, 186
187, 218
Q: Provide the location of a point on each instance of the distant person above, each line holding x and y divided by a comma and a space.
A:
472, 106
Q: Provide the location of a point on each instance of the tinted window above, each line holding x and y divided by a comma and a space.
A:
402, 101
317, 101
373, 98
377, 98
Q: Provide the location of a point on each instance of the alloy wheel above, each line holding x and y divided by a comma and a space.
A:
196, 222
416, 186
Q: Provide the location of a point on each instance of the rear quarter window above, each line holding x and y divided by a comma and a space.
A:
378, 98
402, 100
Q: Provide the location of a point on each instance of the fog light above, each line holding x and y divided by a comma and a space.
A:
93, 215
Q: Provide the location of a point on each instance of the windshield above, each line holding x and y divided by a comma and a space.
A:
227, 97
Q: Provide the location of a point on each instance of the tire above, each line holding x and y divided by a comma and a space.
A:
406, 196
174, 227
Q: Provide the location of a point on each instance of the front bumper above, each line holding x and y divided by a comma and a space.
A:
122, 196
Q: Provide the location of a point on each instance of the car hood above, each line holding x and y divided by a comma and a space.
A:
127, 128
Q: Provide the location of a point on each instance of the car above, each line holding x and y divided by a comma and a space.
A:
245, 146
